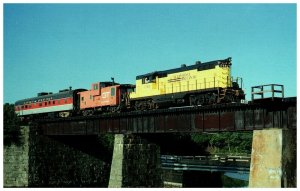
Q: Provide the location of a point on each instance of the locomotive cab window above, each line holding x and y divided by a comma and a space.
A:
149, 79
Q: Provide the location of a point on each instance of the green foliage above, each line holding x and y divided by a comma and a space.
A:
11, 125
225, 142
107, 140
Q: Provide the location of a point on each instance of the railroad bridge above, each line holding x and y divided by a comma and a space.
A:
195, 119
273, 122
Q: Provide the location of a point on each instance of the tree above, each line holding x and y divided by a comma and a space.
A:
225, 142
11, 125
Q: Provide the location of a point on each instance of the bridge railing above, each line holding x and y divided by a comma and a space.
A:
208, 160
237, 164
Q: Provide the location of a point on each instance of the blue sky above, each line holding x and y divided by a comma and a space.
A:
48, 47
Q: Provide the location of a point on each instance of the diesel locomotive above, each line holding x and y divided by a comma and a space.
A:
195, 85
198, 84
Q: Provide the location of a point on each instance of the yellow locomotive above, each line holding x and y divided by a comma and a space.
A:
198, 84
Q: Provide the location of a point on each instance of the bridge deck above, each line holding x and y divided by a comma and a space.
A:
216, 118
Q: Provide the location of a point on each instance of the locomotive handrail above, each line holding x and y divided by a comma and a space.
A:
176, 88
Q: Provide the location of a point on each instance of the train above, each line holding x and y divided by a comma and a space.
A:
199, 84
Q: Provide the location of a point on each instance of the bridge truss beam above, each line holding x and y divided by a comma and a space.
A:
217, 118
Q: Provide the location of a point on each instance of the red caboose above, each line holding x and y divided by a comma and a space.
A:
105, 97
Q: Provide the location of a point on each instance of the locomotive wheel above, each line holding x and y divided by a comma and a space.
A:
212, 98
87, 112
145, 105
192, 100
229, 98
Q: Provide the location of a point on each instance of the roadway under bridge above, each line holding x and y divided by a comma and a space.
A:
234, 164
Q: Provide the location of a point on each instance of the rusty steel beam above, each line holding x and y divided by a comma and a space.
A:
218, 118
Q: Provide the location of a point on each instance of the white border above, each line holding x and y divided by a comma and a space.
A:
130, 1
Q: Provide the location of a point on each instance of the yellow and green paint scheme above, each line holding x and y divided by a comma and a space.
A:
201, 76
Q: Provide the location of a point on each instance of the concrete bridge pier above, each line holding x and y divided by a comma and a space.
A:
135, 163
273, 158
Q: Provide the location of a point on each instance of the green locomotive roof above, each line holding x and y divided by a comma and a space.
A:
198, 65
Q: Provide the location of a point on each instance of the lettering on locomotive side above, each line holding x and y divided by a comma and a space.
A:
105, 94
182, 77
39, 100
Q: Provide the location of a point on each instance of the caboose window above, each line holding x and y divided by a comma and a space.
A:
91, 97
82, 98
112, 91
95, 86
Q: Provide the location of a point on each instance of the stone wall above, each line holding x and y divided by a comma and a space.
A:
136, 163
289, 162
62, 161
273, 158
67, 161
15, 161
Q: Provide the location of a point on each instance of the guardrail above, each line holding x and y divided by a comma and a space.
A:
219, 158
238, 164
269, 91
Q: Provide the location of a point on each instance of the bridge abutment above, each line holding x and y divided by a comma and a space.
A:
16, 161
273, 158
135, 163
